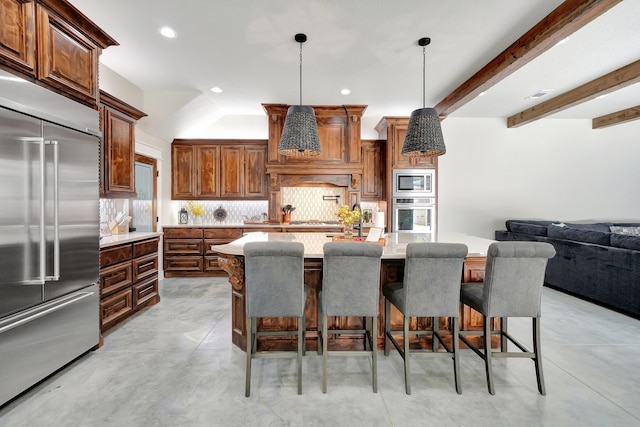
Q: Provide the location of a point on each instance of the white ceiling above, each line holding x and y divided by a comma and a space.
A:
369, 46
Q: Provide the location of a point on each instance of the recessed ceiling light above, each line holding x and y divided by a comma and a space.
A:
345, 91
216, 89
168, 32
539, 94
601, 96
563, 41
482, 93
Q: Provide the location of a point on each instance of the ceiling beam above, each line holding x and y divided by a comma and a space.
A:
563, 21
616, 118
608, 83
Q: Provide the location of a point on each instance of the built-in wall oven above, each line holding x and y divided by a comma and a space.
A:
413, 215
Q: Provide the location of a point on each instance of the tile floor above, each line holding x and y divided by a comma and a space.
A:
174, 365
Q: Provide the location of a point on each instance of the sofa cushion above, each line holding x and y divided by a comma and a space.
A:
633, 231
596, 226
625, 241
536, 228
579, 235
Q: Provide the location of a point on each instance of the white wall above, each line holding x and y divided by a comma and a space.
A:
555, 169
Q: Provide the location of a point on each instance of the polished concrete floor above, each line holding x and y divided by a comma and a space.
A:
174, 365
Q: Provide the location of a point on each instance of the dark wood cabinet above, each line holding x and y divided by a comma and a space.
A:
395, 129
372, 170
214, 169
53, 44
187, 250
117, 166
128, 280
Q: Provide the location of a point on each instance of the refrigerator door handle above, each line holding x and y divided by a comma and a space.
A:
43, 310
56, 211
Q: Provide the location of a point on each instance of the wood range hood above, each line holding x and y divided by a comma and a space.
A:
339, 164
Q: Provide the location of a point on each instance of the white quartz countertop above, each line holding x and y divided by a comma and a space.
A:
118, 239
395, 247
258, 225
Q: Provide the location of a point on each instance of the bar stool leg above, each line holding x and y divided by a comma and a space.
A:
249, 351
374, 353
405, 337
455, 321
486, 324
324, 353
387, 325
538, 357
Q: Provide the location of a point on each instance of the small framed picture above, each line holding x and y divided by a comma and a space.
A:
367, 216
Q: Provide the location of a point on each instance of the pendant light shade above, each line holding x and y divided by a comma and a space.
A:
300, 133
424, 133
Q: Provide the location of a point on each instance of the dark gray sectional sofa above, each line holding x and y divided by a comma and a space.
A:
591, 262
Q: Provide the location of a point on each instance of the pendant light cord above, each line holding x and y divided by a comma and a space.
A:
300, 73
424, 62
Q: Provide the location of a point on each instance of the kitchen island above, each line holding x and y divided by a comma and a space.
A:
231, 260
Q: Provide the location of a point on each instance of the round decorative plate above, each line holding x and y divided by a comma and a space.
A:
220, 214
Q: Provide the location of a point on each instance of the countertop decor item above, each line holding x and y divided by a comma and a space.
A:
300, 132
197, 210
347, 218
424, 133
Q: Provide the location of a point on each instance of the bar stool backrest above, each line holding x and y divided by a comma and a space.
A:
514, 276
351, 278
274, 278
432, 276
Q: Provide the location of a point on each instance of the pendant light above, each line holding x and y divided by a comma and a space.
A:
424, 134
300, 133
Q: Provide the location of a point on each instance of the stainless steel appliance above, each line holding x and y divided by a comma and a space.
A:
49, 233
413, 215
414, 183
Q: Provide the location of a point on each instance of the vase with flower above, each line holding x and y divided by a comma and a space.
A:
347, 218
197, 210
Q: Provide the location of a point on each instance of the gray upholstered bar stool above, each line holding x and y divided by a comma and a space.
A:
274, 281
430, 288
350, 287
512, 287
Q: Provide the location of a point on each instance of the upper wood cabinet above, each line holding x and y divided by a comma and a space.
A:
117, 166
218, 169
372, 170
395, 129
53, 44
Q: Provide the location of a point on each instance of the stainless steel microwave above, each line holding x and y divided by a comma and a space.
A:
414, 183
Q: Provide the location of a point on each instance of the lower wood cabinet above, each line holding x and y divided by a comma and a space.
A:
128, 280
187, 250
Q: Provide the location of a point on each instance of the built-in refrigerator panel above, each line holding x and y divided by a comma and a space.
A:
20, 276
76, 175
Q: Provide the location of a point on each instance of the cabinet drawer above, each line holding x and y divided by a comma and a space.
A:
115, 254
211, 263
228, 234
183, 232
209, 242
116, 306
115, 277
183, 263
183, 247
145, 291
145, 247
144, 267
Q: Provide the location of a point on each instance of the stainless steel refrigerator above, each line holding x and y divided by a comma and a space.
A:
49, 233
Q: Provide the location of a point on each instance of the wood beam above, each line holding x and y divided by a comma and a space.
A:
616, 118
566, 19
613, 81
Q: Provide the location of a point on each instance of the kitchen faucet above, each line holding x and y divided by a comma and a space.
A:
357, 205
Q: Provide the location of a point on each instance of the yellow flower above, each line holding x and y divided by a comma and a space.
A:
348, 216
196, 209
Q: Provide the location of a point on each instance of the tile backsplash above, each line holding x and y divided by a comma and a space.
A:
318, 203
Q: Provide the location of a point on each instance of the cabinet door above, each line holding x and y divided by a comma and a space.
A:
207, 173
119, 152
182, 176
398, 133
67, 60
372, 170
255, 177
18, 35
232, 171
